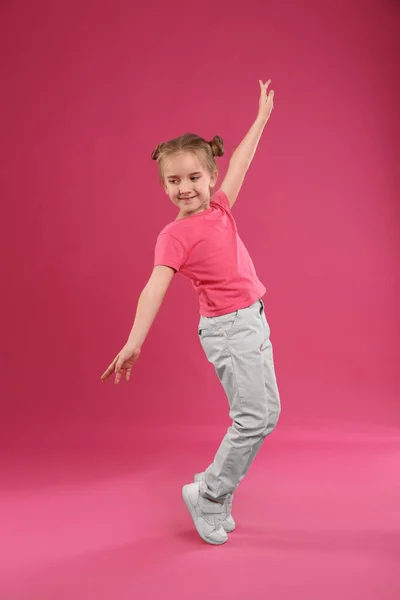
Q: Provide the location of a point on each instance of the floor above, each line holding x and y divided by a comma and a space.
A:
99, 515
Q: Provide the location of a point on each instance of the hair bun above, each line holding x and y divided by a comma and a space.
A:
156, 152
217, 146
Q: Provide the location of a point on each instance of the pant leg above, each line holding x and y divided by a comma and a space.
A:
238, 346
271, 389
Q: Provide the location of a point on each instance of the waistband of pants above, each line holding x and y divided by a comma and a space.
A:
258, 304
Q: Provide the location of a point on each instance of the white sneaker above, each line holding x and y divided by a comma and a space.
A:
207, 515
228, 522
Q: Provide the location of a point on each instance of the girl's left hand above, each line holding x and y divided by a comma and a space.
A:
266, 103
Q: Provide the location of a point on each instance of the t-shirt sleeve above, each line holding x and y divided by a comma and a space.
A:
169, 252
222, 199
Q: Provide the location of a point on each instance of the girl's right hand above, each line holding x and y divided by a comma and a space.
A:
122, 362
266, 103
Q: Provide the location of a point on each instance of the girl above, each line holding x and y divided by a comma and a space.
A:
203, 244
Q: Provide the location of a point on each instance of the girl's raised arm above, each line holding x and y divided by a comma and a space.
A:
244, 153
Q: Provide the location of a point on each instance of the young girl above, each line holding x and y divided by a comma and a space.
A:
203, 244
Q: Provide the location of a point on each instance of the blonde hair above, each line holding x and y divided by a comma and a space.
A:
190, 142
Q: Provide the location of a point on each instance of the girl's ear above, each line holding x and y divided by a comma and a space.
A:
213, 179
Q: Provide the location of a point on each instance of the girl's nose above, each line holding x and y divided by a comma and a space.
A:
184, 188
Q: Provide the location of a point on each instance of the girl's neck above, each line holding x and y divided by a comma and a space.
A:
186, 216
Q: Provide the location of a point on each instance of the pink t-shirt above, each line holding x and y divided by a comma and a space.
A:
207, 249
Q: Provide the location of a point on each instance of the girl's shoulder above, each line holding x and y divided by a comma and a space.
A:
221, 199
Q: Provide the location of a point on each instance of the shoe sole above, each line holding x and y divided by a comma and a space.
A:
193, 515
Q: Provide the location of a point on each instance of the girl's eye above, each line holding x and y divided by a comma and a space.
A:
195, 178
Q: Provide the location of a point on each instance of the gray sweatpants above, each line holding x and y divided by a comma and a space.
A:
238, 345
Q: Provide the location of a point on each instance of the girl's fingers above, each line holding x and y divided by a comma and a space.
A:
110, 370
117, 367
117, 373
106, 373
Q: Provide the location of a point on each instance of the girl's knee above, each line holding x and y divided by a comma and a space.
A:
251, 428
273, 418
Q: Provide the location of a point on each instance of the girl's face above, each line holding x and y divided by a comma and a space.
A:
187, 182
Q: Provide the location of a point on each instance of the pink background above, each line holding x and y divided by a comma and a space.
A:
89, 89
